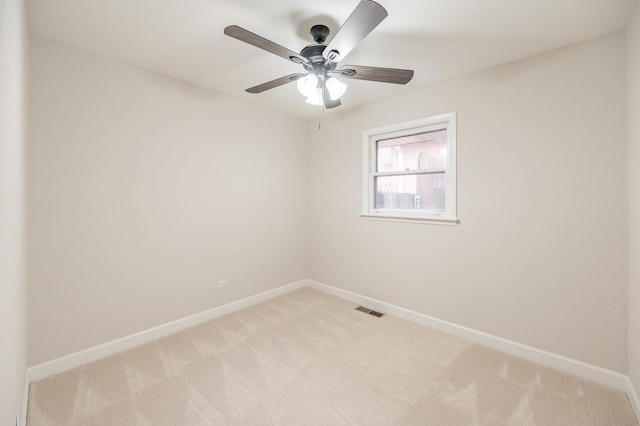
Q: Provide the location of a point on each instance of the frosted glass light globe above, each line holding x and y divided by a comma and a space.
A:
336, 88
308, 85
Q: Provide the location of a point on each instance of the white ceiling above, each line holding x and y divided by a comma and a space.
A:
439, 39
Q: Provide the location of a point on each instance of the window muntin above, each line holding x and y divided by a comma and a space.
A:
409, 171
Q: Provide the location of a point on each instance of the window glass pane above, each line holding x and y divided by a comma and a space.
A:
426, 150
411, 192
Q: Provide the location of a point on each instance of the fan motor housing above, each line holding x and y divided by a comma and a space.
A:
313, 53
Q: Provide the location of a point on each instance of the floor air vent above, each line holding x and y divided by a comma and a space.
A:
369, 311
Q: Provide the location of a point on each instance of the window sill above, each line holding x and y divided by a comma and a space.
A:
447, 221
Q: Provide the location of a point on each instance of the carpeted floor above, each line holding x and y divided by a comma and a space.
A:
308, 358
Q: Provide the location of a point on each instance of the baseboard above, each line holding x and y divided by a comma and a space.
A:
582, 369
25, 399
633, 398
68, 362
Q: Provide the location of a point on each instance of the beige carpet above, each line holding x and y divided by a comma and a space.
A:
308, 358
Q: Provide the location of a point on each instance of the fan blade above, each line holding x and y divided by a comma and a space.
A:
328, 103
384, 75
262, 43
275, 83
365, 17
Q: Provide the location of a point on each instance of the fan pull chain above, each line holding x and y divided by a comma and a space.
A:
320, 116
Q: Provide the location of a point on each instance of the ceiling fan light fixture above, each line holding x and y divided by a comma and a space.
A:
336, 88
308, 85
315, 98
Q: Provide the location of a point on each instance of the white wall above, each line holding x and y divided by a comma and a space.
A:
540, 254
13, 291
145, 192
633, 135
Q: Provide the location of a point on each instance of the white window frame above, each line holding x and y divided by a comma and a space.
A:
369, 164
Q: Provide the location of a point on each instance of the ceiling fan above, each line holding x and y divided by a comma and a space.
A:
320, 60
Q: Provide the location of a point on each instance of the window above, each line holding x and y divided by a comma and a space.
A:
409, 171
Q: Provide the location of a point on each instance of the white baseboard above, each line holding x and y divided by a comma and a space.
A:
582, 369
25, 399
633, 398
76, 359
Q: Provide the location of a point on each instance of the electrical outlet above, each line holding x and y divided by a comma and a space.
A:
224, 283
